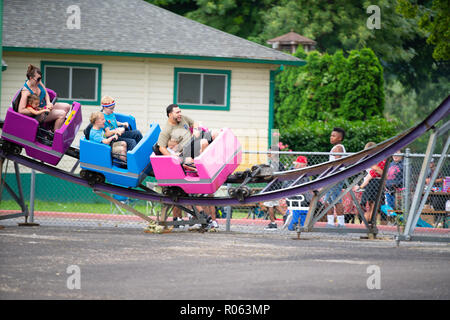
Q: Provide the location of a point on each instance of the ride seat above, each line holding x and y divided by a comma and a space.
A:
115, 157
188, 170
213, 166
44, 132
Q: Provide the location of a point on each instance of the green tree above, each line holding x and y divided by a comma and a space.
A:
243, 18
434, 19
342, 25
331, 86
332, 90
412, 108
363, 90
400, 44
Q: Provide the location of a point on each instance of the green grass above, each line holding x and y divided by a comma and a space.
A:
68, 206
104, 208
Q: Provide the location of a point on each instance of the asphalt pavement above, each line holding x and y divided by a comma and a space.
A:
53, 262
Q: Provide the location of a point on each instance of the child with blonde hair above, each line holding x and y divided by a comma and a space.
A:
97, 134
122, 129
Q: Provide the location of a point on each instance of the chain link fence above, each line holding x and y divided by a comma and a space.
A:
397, 194
58, 202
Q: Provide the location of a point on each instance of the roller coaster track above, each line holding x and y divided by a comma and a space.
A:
327, 173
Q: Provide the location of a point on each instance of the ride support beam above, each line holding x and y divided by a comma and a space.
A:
124, 206
380, 193
18, 198
421, 195
312, 216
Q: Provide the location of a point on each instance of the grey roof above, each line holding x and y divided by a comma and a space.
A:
122, 26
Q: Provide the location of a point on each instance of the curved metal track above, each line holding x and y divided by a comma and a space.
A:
329, 172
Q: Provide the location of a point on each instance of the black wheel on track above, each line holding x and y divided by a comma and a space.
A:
244, 191
173, 192
91, 177
232, 192
15, 149
84, 174
99, 178
166, 191
11, 148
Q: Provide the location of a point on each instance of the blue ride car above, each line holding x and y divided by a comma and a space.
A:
97, 162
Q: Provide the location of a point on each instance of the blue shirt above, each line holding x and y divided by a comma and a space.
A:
97, 135
42, 102
110, 121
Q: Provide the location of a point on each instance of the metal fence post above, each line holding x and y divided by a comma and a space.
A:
407, 182
32, 192
20, 191
380, 193
228, 212
29, 217
414, 210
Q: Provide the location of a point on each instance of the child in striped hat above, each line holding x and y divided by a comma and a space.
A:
122, 129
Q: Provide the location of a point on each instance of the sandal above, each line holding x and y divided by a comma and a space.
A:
189, 167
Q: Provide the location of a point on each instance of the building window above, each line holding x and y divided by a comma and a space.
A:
73, 81
202, 89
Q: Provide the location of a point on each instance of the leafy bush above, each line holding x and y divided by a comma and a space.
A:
332, 91
307, 135
330, 86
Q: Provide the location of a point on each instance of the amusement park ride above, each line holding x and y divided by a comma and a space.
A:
180, 187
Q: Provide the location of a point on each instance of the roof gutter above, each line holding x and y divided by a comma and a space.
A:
152, 55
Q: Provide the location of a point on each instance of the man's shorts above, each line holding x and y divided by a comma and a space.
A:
193, 147
334, 192
206, 135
